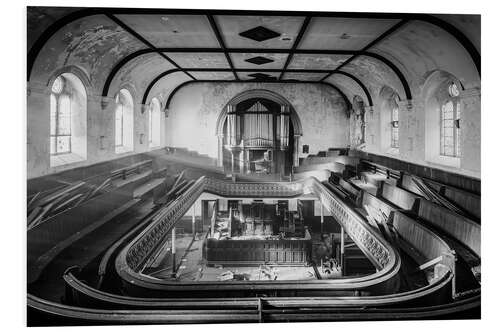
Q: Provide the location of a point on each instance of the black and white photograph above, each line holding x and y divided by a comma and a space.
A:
207, 165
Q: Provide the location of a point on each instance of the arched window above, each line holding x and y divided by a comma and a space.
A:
154, 123
395, 126
450, 123
68, 120
124, 122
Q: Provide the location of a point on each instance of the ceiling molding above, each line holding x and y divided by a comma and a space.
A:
132, 56
360, 83
220, 39
296, 43
171, 71
52, 29
374, 42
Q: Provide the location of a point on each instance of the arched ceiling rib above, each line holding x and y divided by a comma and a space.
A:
207, 45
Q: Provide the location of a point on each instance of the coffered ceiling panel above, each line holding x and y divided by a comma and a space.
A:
213, 75
258, 75
173, 30
317, 61
281, 31
304, 76
343, 33
199, 60
277, 60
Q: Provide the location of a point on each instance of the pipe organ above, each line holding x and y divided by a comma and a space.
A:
256, 135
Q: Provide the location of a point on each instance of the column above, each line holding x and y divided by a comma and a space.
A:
174, 268
220, 152
342, 259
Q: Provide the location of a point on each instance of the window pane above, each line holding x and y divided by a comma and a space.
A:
119, 125
64, 116
53, 110
63, 144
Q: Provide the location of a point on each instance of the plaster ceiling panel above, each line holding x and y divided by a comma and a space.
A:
343, 33
277, 63
470, 25
199, 60
317, 61
347, 85
173, 30
142, 70
257, 75
40, 18
213, 75
422, 47
304, 76
165, 85
374, 74
232, 26
94, 43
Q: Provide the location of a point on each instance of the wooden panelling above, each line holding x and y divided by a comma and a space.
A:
462, 229
426, 244
254, 252
460, 181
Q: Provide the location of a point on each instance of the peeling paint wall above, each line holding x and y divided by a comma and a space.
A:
194, 110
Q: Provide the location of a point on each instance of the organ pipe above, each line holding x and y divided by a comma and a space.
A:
283, 131
231, 122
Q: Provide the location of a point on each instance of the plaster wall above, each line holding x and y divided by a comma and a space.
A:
194, 110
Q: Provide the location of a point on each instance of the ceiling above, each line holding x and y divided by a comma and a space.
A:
355, 52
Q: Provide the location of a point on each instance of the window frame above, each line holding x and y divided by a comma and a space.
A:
64, 92
453, 99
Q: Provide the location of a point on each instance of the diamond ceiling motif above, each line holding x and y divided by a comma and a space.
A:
259, 60
262, 76
259, 34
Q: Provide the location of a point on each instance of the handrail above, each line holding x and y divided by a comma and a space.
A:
380, 253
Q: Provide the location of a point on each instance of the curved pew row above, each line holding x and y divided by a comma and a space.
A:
56, 313
423, 244
464, 201
461, 234
380, 253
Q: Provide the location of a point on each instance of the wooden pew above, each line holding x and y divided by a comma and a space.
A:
397, 196
456, 226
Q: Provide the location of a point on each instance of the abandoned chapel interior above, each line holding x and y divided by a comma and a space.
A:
217, 166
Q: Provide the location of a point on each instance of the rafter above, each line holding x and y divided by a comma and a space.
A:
220, 39
57, 25
146, 42
384, 60
171, 71
296, 43
174, 91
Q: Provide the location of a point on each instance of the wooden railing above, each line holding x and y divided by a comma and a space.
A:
375, 247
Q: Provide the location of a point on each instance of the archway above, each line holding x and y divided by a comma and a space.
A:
258, 132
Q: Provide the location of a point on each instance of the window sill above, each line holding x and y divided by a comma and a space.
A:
64, 159
123, 150
453, 162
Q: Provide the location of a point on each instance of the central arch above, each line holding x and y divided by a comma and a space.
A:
234, 106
